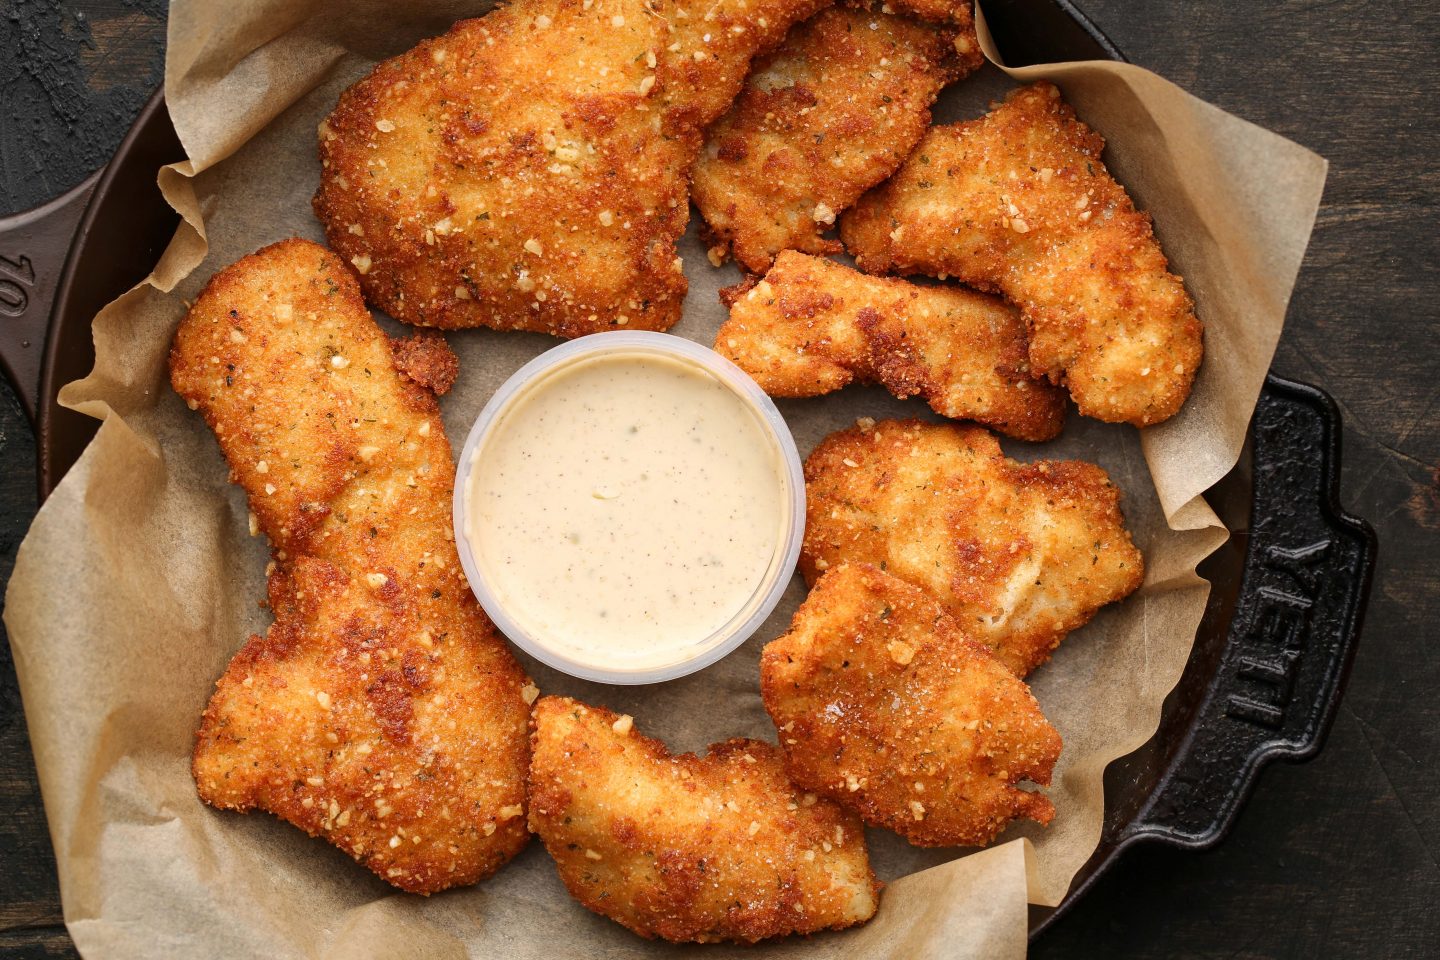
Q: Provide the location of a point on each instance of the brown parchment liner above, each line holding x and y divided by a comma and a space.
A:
138, 581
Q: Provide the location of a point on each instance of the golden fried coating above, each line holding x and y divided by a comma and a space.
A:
1019, 554
381, 710
527, 170
1020, 203
886, 707
826, 116
686, 848
813, 325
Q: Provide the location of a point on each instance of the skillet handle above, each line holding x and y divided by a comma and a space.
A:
34, 246
1292, 638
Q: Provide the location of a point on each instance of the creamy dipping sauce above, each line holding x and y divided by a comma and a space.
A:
625, 507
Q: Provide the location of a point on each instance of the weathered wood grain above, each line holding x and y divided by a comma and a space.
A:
72, 78
1339, 857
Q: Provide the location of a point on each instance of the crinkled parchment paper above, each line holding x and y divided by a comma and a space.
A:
138, 580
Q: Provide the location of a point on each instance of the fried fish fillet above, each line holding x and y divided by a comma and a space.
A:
813, 325
1019, 554
1019, 202
528, 170
826, 116
886, 707
686, 848
381, 710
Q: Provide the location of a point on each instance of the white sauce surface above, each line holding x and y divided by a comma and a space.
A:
625, 507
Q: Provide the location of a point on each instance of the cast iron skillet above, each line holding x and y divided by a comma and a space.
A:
1279, 633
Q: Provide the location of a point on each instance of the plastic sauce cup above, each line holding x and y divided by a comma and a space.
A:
748, 618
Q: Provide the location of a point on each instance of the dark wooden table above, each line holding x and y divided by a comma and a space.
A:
1335, 858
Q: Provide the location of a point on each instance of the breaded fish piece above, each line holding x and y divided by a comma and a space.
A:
813, 325
528, 170
1019, 554
688, 848
1019, 202
826, 116
381, 710
886, 707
